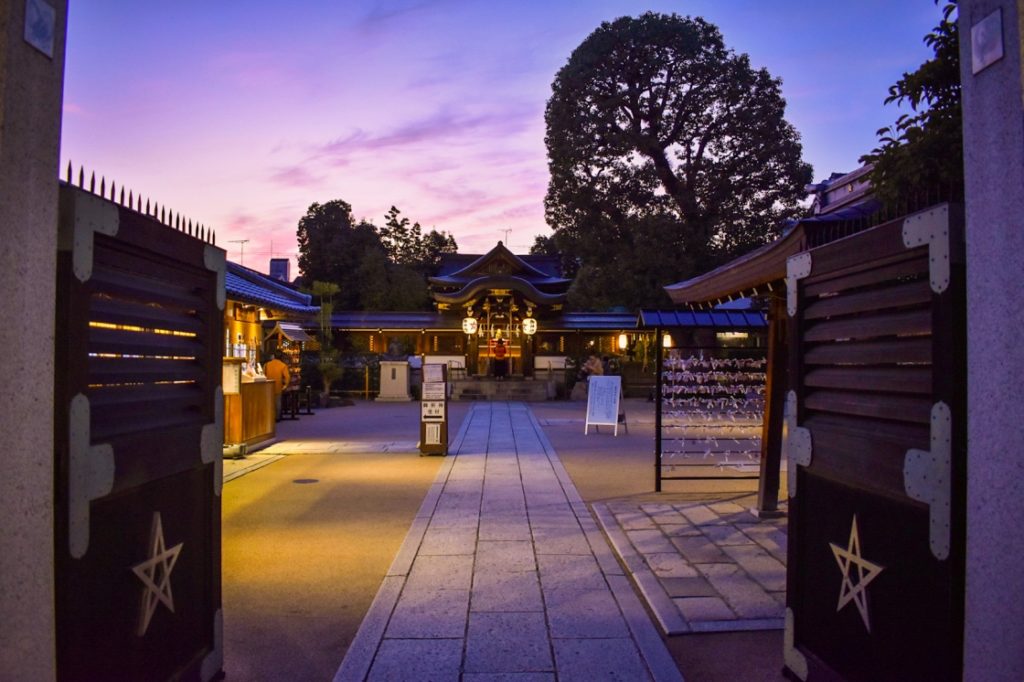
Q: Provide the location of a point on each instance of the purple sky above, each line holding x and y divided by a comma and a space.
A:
242, 114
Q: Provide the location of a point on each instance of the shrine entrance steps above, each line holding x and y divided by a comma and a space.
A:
515, 388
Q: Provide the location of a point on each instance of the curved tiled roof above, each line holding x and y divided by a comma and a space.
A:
483, 283
249, 286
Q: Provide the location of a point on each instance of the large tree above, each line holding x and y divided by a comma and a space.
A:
374, 268
921, 157
668, 153
406, 244
332, 246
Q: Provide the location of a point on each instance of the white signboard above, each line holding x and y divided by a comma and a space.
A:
433, 373
603, 402
231, 378
432, 410
434, 390
433, 434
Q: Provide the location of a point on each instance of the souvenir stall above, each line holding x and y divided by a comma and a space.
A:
254, 301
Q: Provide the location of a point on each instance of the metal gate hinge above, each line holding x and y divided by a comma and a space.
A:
794, 660
796, 442
931, 227
926, 478
211, 441
90, 474
215, 259
797, 267
83, 215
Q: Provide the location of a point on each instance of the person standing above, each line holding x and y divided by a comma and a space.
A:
500, 359
277, 372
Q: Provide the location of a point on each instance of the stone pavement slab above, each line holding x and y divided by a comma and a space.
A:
505, 576
701, 567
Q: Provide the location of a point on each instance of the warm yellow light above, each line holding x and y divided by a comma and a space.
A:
469, 325
666, 341
144, 330
529, 326
623, 341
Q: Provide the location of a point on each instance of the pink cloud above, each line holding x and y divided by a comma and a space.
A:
296, 176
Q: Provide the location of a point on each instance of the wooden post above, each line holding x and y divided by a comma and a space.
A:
775, 398
658, 355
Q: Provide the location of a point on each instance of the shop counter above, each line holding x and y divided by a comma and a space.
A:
250, 415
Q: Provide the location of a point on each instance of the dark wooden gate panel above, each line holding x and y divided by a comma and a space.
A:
875, 444
138, 444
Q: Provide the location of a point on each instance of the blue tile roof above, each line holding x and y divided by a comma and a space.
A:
249, 286
718, 319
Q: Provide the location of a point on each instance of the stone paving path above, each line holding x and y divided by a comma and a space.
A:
505, 573
702, 566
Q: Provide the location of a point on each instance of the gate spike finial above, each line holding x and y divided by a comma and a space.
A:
190, 226
103, 186
122, 195
70, 172
81, 177
214, 242
92, 182
131, 198
147, 206
163, 214
113, 191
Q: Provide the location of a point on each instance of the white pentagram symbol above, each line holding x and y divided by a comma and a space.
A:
866, 572
155, 574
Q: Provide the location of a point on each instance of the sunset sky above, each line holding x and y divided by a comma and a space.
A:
241, 114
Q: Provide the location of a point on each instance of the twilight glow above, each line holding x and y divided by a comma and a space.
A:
241, 114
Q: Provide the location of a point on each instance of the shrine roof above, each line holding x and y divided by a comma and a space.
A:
249, 286
457, 269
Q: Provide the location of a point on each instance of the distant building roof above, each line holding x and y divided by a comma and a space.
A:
390, 320
248, 286
590, 321
717, 319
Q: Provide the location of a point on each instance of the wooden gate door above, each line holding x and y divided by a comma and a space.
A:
138, 421
874, 436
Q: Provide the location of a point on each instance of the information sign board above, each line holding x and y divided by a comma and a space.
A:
434, 390
432, 410
603, 402
433, 373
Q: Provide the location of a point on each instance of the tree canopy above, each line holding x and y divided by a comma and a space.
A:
921, 156
374, 268
669, 154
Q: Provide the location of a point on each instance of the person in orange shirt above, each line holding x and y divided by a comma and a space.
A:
277, 372
500, 361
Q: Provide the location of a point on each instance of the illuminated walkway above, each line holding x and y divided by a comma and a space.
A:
505, 571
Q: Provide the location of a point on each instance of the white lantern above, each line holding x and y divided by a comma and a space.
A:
623, 341
529, 326
469, 325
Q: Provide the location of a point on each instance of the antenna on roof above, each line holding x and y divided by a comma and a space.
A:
241, 255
